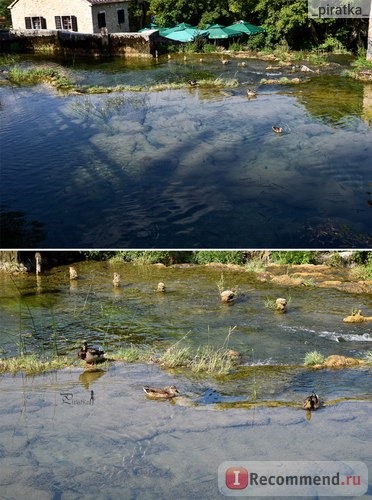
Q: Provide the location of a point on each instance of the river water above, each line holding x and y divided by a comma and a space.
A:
187, 168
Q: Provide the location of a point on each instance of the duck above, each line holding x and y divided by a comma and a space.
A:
73, 273
193, 83
116, 280
251, 93
156, 393
277, 129
91, 354
311, 402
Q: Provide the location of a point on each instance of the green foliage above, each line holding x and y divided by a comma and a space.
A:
153, 256
313, 358
331, 44
34, 76
364, 269
293, 257
219, 256
4, 11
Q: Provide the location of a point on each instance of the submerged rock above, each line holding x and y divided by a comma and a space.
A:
357, 318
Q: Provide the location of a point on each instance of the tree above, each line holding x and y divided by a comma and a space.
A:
5, 12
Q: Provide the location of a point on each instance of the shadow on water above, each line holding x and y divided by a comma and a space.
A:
16, 231
191, 168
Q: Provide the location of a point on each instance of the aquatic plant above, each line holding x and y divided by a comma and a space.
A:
254, 266
32, 364
34, 76
133, 354
313, 358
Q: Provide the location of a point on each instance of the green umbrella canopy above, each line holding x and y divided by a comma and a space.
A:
185, 35
217, 31
247, 28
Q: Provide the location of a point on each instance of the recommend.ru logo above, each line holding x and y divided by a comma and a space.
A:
306, 478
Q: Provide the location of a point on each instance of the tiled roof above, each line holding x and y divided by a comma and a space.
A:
102, 2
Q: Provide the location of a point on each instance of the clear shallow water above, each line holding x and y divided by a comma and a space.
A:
51, 314
125, 446
190, 168
56, 442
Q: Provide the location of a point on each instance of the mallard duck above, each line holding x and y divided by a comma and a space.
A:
116, 280
311, 402
91, 354
73, 273
193, 83
251, 93
166, 393
277, 129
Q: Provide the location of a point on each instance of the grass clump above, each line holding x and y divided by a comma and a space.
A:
133, 354
32, 364
34, 76
206, 359
313, 358
254, 266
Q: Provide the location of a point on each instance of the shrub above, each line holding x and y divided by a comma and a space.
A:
313, 358
294, 257
219, 256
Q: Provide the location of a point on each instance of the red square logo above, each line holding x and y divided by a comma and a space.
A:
236, 478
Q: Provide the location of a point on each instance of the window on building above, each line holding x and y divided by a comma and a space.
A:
35, 23
101, 20
66, 23
121, 16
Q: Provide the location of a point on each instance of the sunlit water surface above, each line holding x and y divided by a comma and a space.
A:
191, 168
80, 433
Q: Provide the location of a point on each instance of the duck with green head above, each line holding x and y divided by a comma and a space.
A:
91, 354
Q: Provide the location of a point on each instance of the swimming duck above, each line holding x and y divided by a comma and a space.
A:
73, 273
91, 354
311, 402
116, 280
193, 83
277, 129
251, 93
166, 393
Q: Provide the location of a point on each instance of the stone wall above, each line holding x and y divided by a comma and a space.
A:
86, 15
62, 42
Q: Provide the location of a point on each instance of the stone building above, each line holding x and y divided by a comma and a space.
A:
84, 16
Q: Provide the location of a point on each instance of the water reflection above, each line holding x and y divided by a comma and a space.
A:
180, 169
